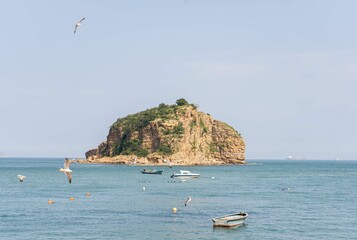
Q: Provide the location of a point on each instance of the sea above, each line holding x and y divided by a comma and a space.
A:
303, 199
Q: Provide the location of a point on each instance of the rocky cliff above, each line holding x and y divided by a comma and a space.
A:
170, 134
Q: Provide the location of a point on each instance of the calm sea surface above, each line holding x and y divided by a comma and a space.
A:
319, 201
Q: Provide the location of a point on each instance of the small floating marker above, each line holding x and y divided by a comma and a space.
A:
87, 194
174, 210
212, 177
144, 188
50, 201
72, 198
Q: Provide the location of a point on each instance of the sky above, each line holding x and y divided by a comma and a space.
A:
282, 73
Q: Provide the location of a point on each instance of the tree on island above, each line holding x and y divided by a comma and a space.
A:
181, 102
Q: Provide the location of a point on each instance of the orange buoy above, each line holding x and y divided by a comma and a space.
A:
72, 198
50, 201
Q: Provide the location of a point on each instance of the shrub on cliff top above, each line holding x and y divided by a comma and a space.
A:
139, 120
181, 102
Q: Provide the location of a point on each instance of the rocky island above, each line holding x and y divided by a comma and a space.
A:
170, 134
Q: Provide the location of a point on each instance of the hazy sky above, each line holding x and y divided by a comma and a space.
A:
283, 73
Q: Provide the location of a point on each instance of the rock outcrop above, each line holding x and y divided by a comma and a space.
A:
170, 134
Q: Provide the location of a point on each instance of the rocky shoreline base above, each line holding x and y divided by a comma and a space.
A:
144, 161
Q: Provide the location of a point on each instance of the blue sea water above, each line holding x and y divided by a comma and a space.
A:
284, 200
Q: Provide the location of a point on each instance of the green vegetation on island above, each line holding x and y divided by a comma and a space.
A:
176, 133
138, 121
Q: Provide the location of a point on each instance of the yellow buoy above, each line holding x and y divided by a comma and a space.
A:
72, 198
174, 210
50, 201
88, 194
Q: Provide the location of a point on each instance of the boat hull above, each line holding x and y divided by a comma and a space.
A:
152, 172
230, 221
185, 174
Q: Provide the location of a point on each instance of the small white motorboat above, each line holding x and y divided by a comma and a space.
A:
185, 174
231, 220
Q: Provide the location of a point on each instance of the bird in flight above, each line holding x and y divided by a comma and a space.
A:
79, 23
66, 169
21, 177
188, 200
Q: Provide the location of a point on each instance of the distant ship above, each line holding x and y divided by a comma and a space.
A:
295, 158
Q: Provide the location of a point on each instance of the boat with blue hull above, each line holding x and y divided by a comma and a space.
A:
151, 171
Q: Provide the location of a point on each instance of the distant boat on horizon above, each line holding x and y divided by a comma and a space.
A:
295, 158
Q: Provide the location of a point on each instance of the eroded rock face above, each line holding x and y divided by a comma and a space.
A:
183, 136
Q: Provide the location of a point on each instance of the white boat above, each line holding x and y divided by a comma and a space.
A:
185, 173
231, 220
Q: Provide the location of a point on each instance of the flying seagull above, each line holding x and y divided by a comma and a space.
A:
188, 200
66, 169
79, 23
21, 177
